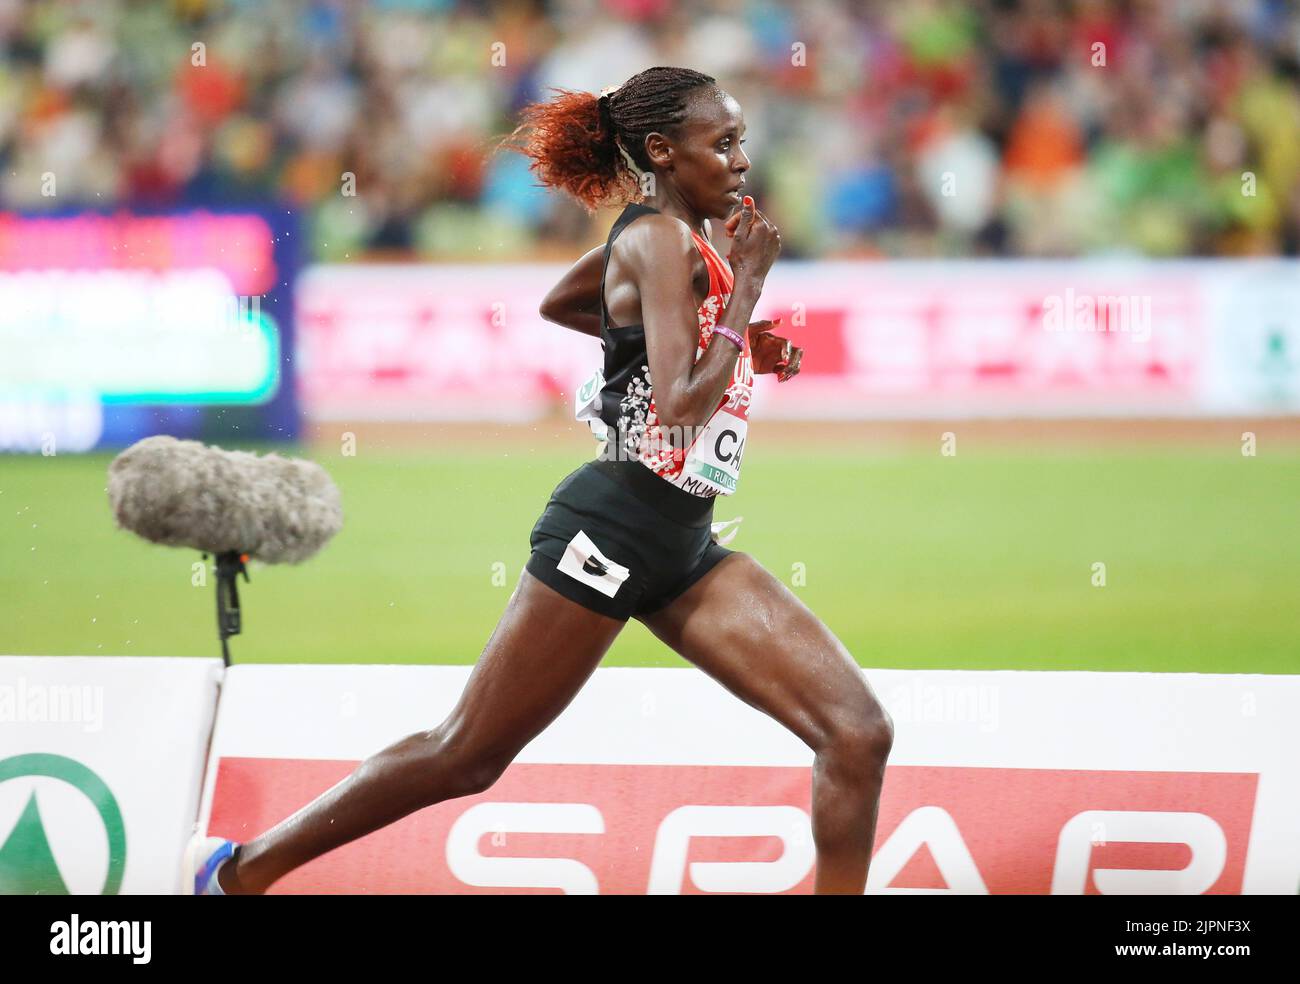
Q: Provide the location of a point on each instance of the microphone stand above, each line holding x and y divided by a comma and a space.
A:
229, 566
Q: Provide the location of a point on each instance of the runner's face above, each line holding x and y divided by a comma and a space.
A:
709, 163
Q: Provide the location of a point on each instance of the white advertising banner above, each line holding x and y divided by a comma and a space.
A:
659, 781
101, 766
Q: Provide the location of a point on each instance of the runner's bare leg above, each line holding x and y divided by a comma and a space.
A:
540, 654
747, 630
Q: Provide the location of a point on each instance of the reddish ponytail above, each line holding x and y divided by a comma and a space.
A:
573, 149
574, 139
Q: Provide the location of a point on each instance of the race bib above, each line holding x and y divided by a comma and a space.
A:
713, 461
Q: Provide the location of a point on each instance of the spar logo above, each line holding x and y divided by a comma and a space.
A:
56, 816
635, 829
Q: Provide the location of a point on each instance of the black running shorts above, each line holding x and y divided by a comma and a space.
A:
621, 541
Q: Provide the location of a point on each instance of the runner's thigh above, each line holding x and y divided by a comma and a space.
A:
752, 634
538, 657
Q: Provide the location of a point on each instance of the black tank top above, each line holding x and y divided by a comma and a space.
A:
637, 451
626, 358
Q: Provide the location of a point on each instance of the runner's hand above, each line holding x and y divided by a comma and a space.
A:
773, 353
755, 241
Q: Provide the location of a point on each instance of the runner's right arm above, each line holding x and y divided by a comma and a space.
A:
660, 252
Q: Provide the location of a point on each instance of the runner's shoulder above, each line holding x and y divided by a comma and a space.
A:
656, 240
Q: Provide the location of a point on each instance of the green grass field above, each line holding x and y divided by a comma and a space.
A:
980, 561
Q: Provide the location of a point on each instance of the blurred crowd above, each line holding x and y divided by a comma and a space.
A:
918, 128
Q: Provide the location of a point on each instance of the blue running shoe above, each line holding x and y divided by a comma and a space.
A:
204, 857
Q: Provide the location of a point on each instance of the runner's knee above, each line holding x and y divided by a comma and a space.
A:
480, 777
862, 736
464, 767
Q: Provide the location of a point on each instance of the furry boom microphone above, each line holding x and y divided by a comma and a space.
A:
232, 504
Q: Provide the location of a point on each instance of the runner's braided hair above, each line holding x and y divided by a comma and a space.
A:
593, 147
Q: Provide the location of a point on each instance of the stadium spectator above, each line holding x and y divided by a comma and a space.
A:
935, 127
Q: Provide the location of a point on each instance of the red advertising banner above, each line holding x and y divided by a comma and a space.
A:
916, 340
691, 829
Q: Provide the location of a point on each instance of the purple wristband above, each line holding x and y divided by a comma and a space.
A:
730, 336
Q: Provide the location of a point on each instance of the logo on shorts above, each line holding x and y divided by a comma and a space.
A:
584, 562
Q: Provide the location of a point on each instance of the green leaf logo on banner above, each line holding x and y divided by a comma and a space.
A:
27, 862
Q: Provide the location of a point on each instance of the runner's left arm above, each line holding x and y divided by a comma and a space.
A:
575, 301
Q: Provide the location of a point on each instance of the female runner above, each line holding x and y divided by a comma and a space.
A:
629, 533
